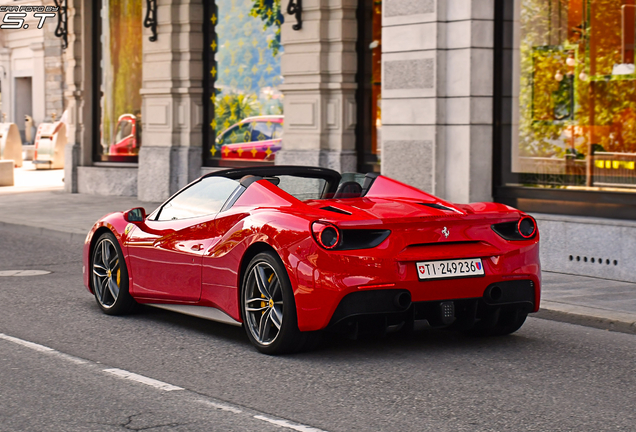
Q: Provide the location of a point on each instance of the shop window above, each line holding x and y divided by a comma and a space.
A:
369, 79
118, 75
567, 107
242, 78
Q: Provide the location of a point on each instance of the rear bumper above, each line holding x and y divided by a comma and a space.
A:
324, 283
392, 307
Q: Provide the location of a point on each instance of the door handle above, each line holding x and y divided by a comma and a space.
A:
197, 247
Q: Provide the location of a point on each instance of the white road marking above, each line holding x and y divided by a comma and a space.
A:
289, 425
41, 348
221, 406
70, 358
120, 373
33, 346
6, 273
142, 379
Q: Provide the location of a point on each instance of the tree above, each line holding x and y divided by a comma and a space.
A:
270, 12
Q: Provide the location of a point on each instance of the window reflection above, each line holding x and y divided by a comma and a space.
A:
246, 75
202, 198
120, 76
369, 80
574, 94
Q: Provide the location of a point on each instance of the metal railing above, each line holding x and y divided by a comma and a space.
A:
608, 170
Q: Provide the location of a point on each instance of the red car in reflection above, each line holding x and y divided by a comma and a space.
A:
126, 136
290, 251
251, 139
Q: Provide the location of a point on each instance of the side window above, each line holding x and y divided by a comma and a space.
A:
237, 135
225, 138
202, 198
263, 131
124, 129
301, 187
278, 131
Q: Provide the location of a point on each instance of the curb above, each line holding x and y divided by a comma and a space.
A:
69, 237
622, 322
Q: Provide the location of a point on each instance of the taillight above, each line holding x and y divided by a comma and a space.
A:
327, 235
331, 237
526, 227
523, 229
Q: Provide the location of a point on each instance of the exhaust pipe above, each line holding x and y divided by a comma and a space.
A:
402, 300
494, 293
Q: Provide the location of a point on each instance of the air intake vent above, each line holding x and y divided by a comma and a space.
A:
335, 210
439, 207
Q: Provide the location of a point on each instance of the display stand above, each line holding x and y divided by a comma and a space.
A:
50, 141
10, 143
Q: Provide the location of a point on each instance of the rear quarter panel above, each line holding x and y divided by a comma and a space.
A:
222, 263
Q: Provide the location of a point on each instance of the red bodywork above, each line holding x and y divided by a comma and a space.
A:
198, 261
126, 142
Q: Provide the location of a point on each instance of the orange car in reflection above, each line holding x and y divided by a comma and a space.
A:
254, 138
127, 140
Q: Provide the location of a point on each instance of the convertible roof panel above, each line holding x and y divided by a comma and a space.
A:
329, 175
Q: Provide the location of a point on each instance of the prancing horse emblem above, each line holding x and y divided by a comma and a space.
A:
445, 232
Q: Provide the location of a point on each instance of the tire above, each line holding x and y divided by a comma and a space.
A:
499, 323
109, 276
268, 307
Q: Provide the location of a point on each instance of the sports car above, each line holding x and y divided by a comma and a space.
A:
288, 252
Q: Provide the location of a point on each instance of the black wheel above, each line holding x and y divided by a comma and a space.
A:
499, 323
110, 276
268, 306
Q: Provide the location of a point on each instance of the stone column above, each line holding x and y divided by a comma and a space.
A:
54, 72
437, 96
5, 81
319, 66
172, 113
38, 84
78, 81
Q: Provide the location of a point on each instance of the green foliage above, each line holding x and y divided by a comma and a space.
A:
245, 63
247, 54
232, 108
604, 109
271, 14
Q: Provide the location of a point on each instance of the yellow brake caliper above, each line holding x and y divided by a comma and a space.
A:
263, 304
118, 277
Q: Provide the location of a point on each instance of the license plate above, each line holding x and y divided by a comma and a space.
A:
457, 268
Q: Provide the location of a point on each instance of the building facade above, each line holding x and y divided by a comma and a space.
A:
31, 72
527, 102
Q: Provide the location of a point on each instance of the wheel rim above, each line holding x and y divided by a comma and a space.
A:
106, 273
263, 303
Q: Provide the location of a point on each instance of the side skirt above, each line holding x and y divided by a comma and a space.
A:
205, 312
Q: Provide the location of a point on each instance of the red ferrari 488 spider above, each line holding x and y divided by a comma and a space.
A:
289, 251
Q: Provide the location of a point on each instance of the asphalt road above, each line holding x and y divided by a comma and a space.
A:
548, 376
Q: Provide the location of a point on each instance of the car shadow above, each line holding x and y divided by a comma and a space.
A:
429, 342
227, 332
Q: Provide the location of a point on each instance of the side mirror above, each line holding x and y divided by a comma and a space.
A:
135, 215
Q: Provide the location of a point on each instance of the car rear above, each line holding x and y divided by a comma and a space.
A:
445, 264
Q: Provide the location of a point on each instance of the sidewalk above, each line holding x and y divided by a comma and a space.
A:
592, 302
59, 214
27, 178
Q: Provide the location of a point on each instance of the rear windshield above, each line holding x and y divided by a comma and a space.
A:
350, 186
302, 188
